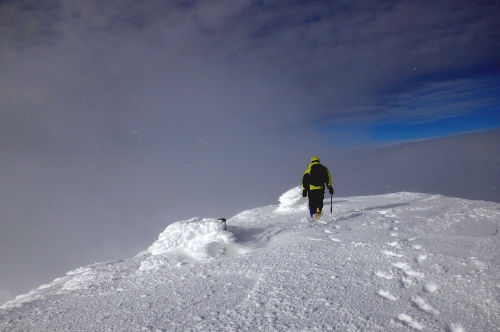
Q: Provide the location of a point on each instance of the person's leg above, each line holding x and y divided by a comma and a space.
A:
312, 204
321, 197
315, 200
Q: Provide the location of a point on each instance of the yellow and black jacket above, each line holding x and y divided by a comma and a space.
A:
315, 177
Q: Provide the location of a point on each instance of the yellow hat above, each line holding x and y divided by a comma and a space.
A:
314, 159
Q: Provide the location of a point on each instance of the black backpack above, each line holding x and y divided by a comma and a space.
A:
318, 175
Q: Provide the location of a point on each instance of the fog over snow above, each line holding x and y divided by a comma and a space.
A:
394, 262
118, 118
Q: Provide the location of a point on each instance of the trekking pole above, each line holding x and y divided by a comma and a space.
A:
331, 203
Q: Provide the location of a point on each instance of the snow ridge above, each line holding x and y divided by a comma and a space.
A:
396, 262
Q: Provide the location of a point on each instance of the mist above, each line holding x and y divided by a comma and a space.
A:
119, 119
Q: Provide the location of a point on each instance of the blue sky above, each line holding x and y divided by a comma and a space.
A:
478, 120
439, 110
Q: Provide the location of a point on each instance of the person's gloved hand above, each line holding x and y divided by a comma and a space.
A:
330, 189
304, 193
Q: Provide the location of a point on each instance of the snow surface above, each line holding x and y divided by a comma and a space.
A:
396, 262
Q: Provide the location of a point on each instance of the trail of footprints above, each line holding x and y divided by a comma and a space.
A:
409, 277
400, 270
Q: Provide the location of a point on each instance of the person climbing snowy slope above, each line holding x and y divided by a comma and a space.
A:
313, 185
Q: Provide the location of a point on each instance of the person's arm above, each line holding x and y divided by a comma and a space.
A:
305, 181
329, 183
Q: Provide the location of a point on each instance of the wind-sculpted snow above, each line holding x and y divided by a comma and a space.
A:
194, 239
290, 200
198, 238
397, 262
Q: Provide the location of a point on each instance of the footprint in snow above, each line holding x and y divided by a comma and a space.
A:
431, 287
387, 295
424, 306
391, 254
409, 321
455, 327
407, 270
383, 275
421, 258
393, 244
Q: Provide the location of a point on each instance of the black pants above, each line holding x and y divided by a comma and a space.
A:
316, 198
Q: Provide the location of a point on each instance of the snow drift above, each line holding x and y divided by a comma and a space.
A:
198, 238
291, 200
396, 262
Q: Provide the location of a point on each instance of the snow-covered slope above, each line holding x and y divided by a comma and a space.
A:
393, 262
